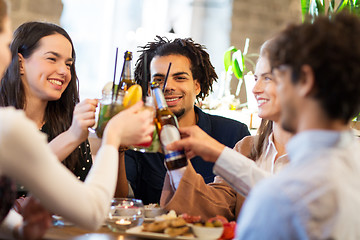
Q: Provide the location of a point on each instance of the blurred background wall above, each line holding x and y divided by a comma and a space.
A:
217, 24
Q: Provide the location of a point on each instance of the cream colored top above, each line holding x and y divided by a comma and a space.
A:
26, 158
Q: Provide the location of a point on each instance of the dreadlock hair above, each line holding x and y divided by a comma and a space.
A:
59, 113
201, 67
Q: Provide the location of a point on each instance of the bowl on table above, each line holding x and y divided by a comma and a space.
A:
153, 210
125, 213
203, 232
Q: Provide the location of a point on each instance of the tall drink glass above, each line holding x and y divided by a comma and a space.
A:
154, 144
108, 109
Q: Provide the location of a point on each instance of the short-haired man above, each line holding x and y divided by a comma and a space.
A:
191, 77
317, 71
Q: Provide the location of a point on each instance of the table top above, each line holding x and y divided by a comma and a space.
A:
75, 233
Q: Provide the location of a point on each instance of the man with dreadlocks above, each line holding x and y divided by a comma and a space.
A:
191, 77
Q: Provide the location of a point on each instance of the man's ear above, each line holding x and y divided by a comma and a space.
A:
21, 64
197, 87
306, 84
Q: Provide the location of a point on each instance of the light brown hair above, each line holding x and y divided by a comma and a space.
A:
266, 127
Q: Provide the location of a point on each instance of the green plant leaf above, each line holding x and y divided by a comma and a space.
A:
342, 5
356, 7
305, 5
320, 7
228, 57
331, 7
238, 64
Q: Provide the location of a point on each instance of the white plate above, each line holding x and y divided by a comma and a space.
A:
137, 231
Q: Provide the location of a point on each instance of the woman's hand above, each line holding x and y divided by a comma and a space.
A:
83, 118
19, 204
129, 127
37, 220
196, 142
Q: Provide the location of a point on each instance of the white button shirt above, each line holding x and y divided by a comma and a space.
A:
243, 173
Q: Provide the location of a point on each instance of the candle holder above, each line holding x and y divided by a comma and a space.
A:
125, 213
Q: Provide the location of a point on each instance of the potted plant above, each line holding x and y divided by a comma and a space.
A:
235, 63
310, 9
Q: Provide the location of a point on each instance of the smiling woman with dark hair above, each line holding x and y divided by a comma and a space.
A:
25, 157
41, 80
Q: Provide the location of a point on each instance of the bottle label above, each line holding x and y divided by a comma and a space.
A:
174, 155
169, 133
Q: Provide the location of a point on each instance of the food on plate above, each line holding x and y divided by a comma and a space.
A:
155, 226
177, 222
168, 216
222, 219
173, 227
177, 231
191, 219
229, 230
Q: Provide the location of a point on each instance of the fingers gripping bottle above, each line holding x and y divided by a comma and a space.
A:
167, 127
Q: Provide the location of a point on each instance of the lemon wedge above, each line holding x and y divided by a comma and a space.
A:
132, 96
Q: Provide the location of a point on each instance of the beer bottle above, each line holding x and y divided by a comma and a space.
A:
127, 78
167, 127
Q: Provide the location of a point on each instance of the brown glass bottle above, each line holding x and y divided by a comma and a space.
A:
127, 78
167, 127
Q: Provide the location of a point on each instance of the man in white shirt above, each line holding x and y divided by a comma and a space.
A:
317, 196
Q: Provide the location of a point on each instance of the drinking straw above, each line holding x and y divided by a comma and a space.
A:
166, 77
113, 86
144, 80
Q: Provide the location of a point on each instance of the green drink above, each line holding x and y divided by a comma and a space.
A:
107, 111
108, 108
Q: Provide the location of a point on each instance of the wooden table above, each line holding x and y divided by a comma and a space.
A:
75, 233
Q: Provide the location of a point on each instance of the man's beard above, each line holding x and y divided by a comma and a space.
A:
179, 113
288, 119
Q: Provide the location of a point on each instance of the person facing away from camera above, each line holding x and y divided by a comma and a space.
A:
317, 196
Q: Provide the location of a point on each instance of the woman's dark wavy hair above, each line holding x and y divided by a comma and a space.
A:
201, 67
59, 113
331, 48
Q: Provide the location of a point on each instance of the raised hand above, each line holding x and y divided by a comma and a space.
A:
129, 127
196, 142
83, 118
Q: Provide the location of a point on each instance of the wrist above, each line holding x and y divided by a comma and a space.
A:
73, 137
17, 231
111, 135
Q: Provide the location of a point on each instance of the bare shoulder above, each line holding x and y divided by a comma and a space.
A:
244, 145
